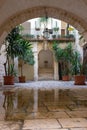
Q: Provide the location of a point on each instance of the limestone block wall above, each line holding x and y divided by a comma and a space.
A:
2, 61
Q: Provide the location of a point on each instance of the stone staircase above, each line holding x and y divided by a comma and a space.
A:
46, 74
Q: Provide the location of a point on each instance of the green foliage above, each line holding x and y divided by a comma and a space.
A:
56, 29
28, 56
65, 55
16, 46
11, 70
71, 59
76, 65
44, 20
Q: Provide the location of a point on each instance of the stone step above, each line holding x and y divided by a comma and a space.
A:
45, 78
45, 70
47, 75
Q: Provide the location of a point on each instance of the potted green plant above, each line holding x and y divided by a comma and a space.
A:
9, 78
78, 69
27, 58
13, 46
64, 55
80, 77
65, 73
56, 29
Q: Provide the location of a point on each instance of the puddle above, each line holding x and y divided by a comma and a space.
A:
25, 103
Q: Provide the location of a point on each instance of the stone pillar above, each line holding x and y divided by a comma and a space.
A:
2, 61
56, 75
2, 56
16, 69
36, 61
2, 37
77, 45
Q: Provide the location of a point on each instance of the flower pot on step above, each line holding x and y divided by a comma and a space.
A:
80, 79
8, 80
65, 78
22, 79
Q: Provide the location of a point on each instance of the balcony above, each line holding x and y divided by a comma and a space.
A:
60, 38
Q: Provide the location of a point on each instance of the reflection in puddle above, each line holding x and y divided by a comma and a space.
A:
44, 103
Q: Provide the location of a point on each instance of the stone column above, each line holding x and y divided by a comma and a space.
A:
2, 37
16, 69
77, 45
36, 61
56, 75
2, 61
2, 56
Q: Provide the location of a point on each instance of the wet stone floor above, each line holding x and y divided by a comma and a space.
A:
24, 108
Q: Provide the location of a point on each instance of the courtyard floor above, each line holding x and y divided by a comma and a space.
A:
43, 105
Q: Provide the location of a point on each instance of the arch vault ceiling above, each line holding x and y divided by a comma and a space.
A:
14, 12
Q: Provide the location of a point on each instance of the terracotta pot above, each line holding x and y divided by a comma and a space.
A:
22, 79
65, 78
8, 80
80, 79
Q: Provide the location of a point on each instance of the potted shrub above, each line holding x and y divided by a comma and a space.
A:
11, 53
9, 77
80, 77
56, 29
27, 58
14, 48
78, 69
65, 73
64, 55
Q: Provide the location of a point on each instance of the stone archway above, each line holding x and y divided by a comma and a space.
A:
38, 11
45, 65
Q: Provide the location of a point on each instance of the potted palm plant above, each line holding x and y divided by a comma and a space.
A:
13, 46
78, 69
26, 58
11, 53
64, 55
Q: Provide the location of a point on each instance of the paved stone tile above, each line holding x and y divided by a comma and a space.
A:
9, 125
75, 107
50, 84
57, 108
77, 114
46, 129
78, 129
41, 124
73, 122
57, 115
43, 115
59, 103
54, 129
